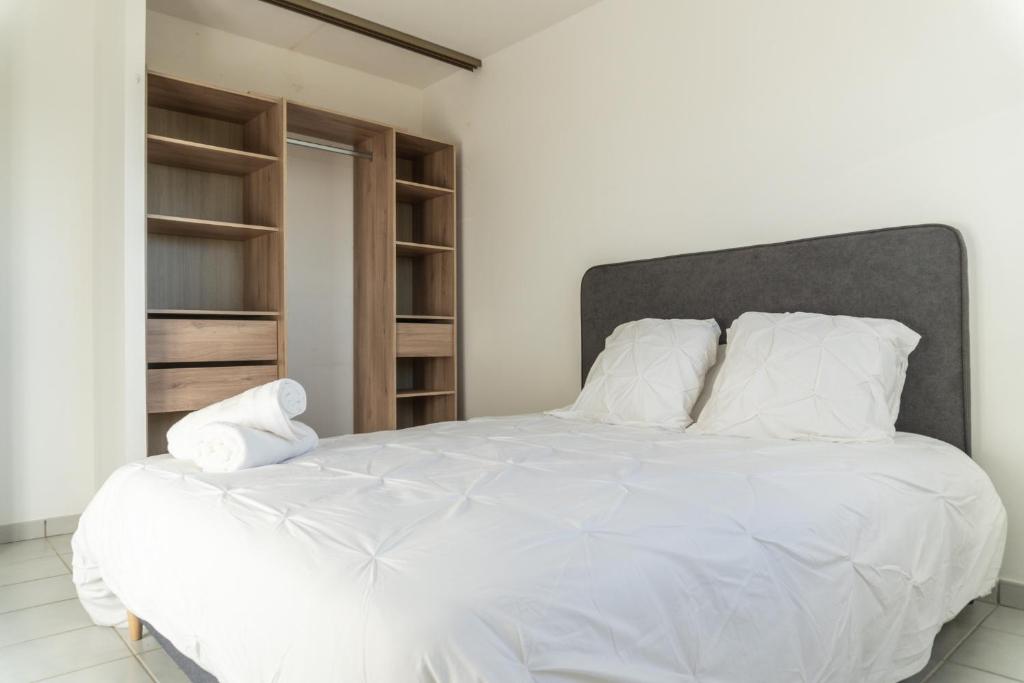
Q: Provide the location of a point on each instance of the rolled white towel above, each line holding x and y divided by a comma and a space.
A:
224, 447
269, 407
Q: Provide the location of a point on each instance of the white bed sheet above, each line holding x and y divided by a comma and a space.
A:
533, 548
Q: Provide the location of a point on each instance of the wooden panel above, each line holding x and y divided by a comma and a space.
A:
194, 194
182, 340
200, 157
438, 221
176, 389
329, 125
434, 285
198, 227
425, 374
439, 409
421, 410
176, 124
191, 272
190, 97
424, 339
408, 144
264, 202
438, 168
157, 425
374, 276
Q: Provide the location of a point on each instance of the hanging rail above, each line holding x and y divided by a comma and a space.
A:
330, 148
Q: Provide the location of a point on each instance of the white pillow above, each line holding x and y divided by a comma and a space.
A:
649, 373
810, 376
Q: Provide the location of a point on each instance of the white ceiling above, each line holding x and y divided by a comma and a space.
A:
476, 27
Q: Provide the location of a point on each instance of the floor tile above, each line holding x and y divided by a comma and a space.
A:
62, 544
1007, 619
959, 627
163, 668
45, 620
54, 655
147, 643
955, 673
66, 559
995, 651
953, 633
38, 592
127, 670
24, 550
29, 570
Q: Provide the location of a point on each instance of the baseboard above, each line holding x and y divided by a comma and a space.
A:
1011, 594
26, 531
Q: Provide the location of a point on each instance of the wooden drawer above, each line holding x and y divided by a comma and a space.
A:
173, 389
424, 340
199, 341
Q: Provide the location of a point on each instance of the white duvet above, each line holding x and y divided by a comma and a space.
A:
539, 549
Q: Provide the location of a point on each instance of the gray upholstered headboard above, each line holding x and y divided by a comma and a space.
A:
915, 274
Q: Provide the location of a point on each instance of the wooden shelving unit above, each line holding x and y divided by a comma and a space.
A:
215, 281
215, 255
425, 268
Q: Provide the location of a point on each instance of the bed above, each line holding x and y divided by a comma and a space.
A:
533, 548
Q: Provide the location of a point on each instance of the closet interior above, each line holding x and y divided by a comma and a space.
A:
216, 319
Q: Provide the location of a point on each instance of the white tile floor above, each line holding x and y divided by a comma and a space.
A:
46, 636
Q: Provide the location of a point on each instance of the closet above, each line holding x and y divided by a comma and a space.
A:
216, 318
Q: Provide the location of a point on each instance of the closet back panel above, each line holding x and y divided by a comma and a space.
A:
195, 273
320, 286
425, 284
195, 194
176, 124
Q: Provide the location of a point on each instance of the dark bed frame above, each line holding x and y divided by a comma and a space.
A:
915, 274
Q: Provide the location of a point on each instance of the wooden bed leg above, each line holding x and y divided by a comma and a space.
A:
134, 627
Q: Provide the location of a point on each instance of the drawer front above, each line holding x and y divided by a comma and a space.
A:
199, 340
172, 389
424, 340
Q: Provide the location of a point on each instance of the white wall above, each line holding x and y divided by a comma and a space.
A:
639, 129
182, 48
66, 75
319, 285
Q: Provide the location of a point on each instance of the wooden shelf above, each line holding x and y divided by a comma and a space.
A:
197, 156
219, 314
412, 316
177, 94
418, 249
418, 393
199, 227
408, 191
